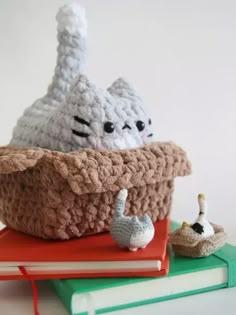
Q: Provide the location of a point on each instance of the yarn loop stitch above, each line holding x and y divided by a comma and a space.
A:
59, 195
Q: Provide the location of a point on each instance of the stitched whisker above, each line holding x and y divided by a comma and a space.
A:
80, 134
81, 121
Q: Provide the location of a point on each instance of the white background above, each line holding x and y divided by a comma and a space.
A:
179, 54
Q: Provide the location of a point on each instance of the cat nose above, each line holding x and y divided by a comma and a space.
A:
126, 126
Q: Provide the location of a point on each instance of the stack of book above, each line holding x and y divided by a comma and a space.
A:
95, 269
92, 256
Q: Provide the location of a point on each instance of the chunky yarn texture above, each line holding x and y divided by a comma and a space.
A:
60, 195
131, 232
186, 242
75, 113
75, 148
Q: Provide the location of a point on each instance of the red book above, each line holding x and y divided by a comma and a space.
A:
90, 256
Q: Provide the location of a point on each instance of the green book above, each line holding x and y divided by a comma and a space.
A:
187, 276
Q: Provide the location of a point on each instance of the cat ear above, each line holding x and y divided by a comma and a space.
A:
122, 88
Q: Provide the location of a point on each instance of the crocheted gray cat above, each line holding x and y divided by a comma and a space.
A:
74, 113
130, 232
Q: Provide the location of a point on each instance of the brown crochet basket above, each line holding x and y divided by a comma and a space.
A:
186, 242
59, 195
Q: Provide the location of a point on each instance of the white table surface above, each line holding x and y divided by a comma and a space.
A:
16, 298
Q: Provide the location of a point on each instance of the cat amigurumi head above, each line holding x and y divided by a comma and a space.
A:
75, 113
97, 118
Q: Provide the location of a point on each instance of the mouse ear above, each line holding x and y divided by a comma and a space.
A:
122, 88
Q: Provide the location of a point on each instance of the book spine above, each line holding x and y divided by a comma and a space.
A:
63, 292
228, 254
66, 294
86, 301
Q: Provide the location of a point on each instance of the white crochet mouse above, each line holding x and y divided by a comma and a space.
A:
75, 113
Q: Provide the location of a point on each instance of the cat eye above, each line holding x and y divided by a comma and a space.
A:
109, 127
140, 125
